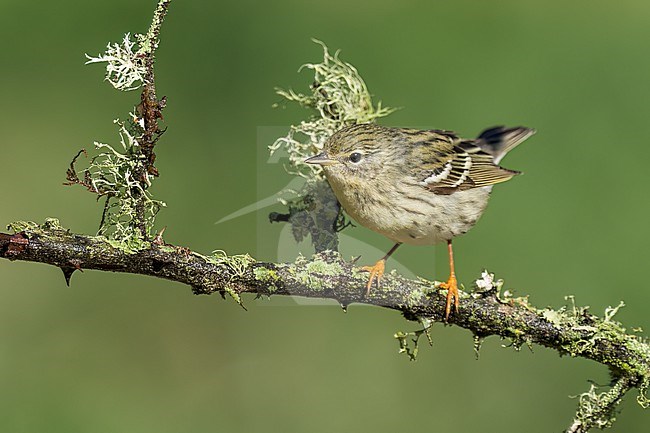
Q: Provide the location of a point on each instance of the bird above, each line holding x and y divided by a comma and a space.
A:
417, 187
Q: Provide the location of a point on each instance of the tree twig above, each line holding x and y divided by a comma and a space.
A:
572, 331
327, 275
151, 111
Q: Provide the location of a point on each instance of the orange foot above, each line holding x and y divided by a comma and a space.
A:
376, 272
452, 294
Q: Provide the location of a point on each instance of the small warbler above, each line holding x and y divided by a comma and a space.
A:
414, 186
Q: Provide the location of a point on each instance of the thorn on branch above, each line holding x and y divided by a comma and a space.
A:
67, 274
75, 265
158, 239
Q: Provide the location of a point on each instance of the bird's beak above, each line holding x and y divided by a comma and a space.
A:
321, 159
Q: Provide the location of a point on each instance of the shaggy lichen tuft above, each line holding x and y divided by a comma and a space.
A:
125, 67
337, 98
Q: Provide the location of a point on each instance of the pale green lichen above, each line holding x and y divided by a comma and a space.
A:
517, 339
477, 344
167, 248
415, 298
306, 278
53, 225
237, 266
300, 260
311, 273
238, 263
568, 316
268, 277
589, 330
409, 341
642, 398
112, 174
149, 42
122, 173
22, 226
338, 97
130, 245
597, 409
322, 267
50, 224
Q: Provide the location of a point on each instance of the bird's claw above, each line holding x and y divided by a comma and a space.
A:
376, 272
452, 295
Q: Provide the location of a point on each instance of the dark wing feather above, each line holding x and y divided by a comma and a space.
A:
451, 164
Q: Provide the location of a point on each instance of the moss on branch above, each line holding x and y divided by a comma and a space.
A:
338, 97
571, 331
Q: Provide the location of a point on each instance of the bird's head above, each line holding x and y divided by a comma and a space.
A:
354, 153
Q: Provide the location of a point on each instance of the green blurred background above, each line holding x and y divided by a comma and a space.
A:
123, 353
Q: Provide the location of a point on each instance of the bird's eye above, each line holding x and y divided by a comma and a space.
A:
355, 157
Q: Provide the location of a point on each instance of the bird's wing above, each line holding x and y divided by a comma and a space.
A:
449, 164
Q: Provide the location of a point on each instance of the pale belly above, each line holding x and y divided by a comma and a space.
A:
414, 215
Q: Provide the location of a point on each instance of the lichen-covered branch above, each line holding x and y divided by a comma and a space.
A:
598, 409
151, 107
123, 174
338, 97
570, 331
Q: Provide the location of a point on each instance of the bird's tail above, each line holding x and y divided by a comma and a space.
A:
499, 140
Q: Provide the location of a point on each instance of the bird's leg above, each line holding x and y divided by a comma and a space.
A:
377, 270
451, 285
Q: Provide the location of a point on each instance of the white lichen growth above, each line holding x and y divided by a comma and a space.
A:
597, 409
489, 284
125, 68
486, 282
338, 97
610, 312
111, 174
236, 264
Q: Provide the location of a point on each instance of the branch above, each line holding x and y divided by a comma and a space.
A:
484, 312
124, 173
339, 97
151, 108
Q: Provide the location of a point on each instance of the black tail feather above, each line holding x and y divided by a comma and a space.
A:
499, 140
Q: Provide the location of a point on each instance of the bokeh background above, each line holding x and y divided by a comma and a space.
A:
136, 354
